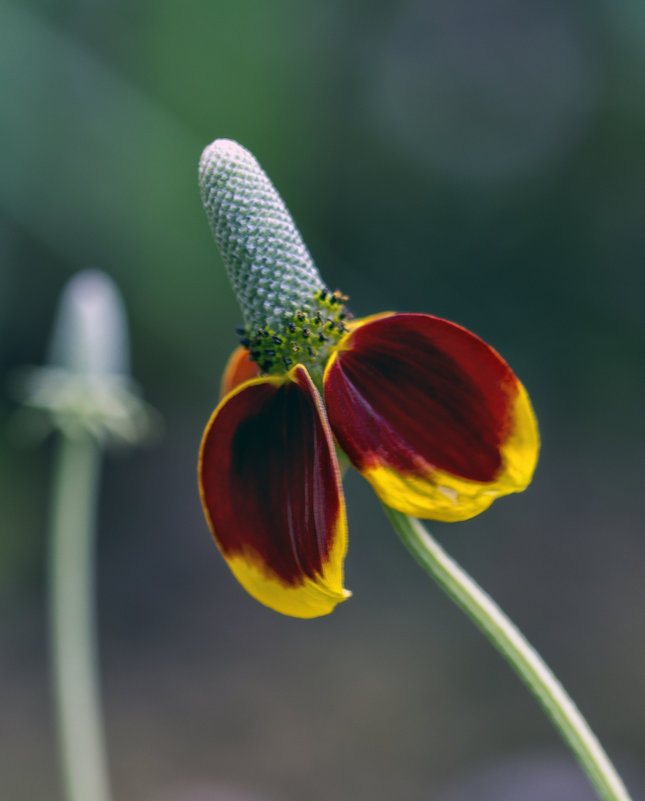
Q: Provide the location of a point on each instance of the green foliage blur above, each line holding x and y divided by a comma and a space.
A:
479, 161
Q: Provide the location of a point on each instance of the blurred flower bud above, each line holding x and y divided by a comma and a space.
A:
90, 333
86, 387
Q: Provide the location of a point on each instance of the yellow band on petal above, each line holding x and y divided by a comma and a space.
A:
312, 598
448, 498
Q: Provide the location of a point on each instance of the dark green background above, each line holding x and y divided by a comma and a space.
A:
483, 161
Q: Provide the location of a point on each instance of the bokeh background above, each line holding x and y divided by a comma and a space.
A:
483, 161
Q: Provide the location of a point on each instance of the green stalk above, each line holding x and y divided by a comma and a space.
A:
509, 641
72, 608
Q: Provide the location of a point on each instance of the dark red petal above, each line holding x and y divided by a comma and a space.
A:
413, 391
271, 490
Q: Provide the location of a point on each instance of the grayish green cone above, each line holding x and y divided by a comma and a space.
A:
268, 264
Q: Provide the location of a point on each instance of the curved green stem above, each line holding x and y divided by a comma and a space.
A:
72, 602
506, 637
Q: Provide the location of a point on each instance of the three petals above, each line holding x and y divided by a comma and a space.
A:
430, 414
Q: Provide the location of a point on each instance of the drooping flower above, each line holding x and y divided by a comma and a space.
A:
431, 415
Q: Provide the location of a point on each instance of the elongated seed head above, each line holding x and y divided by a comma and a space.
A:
270, 268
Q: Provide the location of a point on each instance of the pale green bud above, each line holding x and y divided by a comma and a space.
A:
86, 387
90, 333
267, 261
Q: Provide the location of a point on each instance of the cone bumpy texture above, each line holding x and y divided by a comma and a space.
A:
268, 264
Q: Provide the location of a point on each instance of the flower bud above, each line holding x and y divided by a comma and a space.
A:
86, 387
90, 333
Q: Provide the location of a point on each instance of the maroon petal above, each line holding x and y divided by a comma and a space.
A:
431, 415
271, 492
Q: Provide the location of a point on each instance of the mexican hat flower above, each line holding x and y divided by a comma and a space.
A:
426, 411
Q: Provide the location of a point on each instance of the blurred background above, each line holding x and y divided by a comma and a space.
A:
482, 161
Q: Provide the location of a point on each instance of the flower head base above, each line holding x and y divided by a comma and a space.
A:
306, 338
430, 414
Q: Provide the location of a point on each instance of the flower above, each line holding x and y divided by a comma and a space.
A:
426, 411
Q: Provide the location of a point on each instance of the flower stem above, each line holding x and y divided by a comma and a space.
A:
506, 637
72, 610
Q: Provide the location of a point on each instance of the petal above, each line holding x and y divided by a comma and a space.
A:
239, 369
431, 415
271, 491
